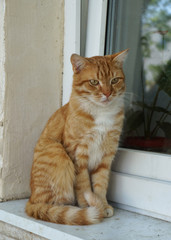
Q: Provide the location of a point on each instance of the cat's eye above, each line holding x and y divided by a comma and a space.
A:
94, 82
115, 80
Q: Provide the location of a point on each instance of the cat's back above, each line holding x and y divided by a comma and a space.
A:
55, 125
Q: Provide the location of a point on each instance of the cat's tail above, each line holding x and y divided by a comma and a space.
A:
66, 214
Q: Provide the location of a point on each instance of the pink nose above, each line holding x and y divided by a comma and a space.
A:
107, 94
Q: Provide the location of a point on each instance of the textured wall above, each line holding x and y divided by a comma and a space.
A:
2, 73
33, 67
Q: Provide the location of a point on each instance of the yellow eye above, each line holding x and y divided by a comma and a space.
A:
94, 82
115, 80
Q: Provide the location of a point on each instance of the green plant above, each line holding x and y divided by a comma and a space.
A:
143, 116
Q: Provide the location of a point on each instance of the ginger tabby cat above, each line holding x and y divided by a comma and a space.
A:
73, 156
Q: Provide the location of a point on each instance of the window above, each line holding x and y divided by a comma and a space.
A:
144, 27
140, 180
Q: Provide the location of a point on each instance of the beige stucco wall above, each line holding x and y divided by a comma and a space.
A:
33, 79
2, 73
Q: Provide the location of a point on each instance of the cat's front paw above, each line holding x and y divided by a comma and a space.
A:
83, 204
108, 211
82, 201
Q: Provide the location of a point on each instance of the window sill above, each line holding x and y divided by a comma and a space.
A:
140, 181
122, 226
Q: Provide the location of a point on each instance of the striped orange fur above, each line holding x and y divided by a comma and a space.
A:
73, 155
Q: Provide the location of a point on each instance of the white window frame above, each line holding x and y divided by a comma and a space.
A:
72, 36
140, 180
71, 43
96, 27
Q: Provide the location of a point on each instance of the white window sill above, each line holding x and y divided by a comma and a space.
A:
124, 225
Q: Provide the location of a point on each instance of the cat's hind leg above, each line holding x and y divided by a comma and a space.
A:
53, 174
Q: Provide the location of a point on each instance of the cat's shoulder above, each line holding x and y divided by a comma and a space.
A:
59, 115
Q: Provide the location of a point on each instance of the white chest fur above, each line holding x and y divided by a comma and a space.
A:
104, 122
103, 125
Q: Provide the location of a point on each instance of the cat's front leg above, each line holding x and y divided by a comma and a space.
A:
82, 184
100, 179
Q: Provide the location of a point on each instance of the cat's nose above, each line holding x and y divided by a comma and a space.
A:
107, 94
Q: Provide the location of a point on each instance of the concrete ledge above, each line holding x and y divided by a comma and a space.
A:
8, 232
15, 224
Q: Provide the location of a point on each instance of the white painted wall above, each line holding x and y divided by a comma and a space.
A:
33, 83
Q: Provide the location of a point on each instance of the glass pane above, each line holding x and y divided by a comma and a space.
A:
144, 26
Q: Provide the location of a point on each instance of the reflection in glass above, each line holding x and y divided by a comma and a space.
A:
144, 26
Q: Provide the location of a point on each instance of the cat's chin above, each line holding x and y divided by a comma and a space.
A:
100, 103
104, 103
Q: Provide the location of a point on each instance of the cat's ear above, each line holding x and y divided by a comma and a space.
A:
78, 63
120, 57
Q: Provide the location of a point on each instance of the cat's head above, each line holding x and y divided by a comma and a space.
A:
99, 79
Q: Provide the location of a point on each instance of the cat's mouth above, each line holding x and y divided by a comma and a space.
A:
106, 101
103, 101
